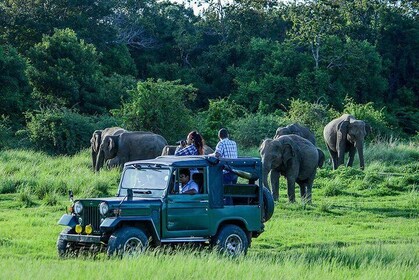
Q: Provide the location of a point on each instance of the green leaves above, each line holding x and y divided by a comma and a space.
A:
161, 107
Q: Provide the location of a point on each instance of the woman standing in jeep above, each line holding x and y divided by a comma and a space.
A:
194, 145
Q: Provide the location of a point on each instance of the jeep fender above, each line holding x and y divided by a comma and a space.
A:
68, 220
239, 221
111, 224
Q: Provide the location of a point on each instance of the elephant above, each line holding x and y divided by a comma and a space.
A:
346, 134
129, 146
297, 129
96, 140
293, 157
169, 150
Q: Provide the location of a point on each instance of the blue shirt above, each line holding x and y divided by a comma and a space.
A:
226, 148
187, 151
191, 185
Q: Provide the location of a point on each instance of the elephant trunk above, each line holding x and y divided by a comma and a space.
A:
100, 160
265, 173
360, 148
94, 156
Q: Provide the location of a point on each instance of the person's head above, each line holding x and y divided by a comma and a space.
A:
195, 138
184, 175
223, 133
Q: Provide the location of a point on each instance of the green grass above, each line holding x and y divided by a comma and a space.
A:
361, 225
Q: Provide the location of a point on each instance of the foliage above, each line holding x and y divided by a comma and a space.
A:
59, 131
250, 130
221, 113
159, 106
375, 118
14, 85
312, 115
65, 72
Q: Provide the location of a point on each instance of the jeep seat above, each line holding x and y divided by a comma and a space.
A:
199, 180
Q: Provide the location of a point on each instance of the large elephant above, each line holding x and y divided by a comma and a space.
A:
129, 146
293, 157
346, 134
297, 129
96, 140
169, 150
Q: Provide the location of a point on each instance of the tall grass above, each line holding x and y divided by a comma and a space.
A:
45, 176
361, 225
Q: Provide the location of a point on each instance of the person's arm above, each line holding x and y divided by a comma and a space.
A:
187, 151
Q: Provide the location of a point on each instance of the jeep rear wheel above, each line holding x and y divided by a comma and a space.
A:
232, 241
127, 241
64, 247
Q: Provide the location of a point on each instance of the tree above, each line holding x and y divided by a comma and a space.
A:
14, 85
159, 106
65, 72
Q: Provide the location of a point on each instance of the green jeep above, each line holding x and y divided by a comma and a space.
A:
149, 210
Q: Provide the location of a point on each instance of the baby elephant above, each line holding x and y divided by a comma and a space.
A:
293, 157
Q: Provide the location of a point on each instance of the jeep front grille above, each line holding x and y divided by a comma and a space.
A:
91, 216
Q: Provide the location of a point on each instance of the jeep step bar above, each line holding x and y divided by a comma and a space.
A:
185, 239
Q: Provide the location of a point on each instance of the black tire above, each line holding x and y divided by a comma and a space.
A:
232, 241
127, 241
64, 248
268, 204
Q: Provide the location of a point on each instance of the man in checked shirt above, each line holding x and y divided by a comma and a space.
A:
226, 148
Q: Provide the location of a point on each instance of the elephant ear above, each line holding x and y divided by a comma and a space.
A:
111, 144
342, 129
288, 151
95, 141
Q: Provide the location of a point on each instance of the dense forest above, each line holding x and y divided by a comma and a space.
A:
68, 67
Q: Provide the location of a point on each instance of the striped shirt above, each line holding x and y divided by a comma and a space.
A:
226, 148
187, 151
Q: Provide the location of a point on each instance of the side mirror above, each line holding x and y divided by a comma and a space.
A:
70, 195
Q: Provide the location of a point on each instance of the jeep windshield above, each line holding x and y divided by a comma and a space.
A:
144, 181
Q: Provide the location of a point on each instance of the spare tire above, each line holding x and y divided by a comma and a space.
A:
268, 204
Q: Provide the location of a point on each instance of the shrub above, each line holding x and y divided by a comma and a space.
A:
59, 131
220, 113
377, 119
159, 106
253, 128
312, 115
25, 197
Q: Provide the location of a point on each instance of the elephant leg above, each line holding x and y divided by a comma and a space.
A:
352, 151
334, 157
307, 197
291, 189
275, 184
302, 191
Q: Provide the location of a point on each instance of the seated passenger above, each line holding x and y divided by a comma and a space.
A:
188, 185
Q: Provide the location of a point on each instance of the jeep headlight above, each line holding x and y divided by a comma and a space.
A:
103, 208
78, 207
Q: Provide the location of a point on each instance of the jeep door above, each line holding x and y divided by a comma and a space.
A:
186, 215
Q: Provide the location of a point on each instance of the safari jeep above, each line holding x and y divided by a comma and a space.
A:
149, 210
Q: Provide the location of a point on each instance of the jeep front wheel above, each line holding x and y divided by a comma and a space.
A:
232, 241
64, 247
127, 241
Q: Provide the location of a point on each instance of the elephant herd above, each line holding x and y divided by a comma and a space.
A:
293, 154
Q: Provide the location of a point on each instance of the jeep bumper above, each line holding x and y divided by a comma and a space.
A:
81, 238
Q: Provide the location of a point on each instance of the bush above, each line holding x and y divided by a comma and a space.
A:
312, 115
252, 129
159, 106
220, 113
59, 131
377, 119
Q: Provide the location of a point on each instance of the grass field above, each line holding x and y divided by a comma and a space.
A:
362, 225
